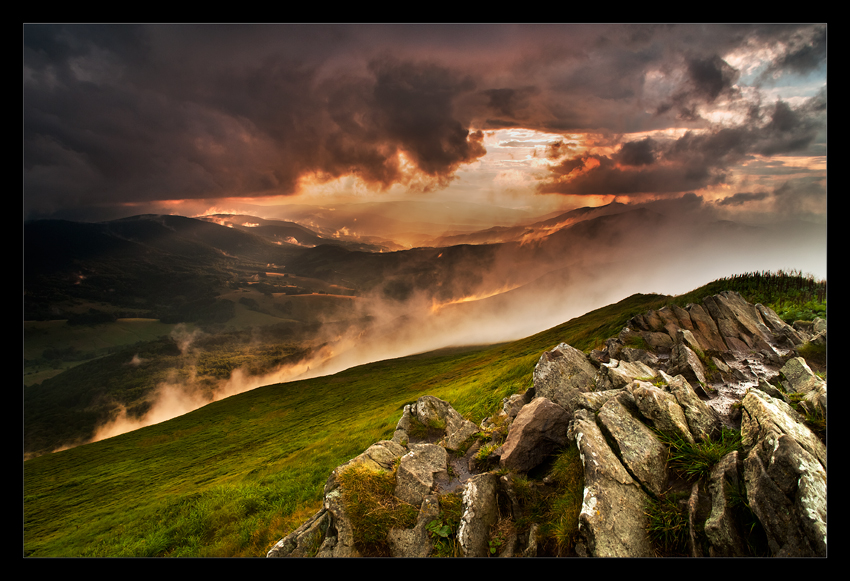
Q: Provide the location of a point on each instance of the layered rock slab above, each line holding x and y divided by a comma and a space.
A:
612, 518
642, 453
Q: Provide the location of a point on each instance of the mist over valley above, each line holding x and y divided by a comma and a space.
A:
276, 301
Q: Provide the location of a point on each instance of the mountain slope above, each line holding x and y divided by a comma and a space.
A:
249, 465
235, 476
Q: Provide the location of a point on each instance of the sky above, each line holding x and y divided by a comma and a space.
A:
193, 119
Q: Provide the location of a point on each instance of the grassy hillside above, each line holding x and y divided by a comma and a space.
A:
233, 477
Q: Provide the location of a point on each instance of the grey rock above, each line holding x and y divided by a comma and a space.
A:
662, 409
616, 374
429, 410
684, 361
479, 512
699, 509
705, 329
306, 539
721, 527
418, 470
595, 400
513, 404
800, 379
703, 421
766, 418
561, 374
792, 510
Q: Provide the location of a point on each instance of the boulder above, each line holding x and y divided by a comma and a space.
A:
684, 361
783, 333
431, 411
561, 374
799, 378
788, 495
785, 474
401, 435
766, 418
513, 404
703, 421
612, 519
705, 329
632, 355
595, 400
737, 319
339, 541
699, 509
617, 373
538, 430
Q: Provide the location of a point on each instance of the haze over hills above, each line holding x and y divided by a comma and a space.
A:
343, 303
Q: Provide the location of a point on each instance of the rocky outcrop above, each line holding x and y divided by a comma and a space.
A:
674, 379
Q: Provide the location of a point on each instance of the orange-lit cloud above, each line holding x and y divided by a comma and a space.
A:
247, 112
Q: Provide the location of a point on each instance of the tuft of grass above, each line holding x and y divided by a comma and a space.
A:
560, 517
815, 355
434, 428
667, 523
373, 508
694, 461
815, 420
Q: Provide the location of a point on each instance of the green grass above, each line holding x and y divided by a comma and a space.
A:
561, 521
694, 461
667, 523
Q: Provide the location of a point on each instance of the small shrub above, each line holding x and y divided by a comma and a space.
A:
815, 355
503, 529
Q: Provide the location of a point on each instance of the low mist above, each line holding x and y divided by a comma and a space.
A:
525, 288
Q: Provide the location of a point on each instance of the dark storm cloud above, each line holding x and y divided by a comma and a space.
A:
509, 102
693, 161
804, 53
122, 124
136, 113
707, 79
637, 152
742, 198
797, 197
